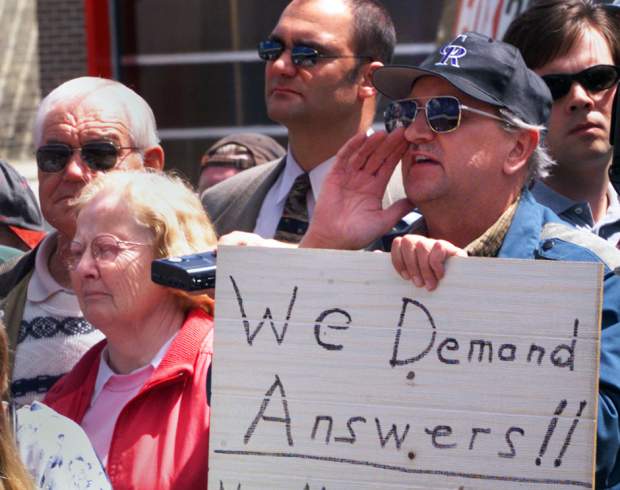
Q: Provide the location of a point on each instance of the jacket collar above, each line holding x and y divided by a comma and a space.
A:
181, 355
71, 395
242, 211
523, 236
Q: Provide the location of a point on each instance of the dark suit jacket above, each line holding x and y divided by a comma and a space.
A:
234, 204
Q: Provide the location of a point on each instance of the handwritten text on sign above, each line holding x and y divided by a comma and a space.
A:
331, 372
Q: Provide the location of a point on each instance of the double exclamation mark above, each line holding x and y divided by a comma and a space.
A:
551, 428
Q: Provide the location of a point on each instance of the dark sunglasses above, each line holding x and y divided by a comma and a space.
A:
301, 54
98, 155
593, 79
443, 113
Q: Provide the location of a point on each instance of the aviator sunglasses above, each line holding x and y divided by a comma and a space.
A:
98, 155
593, 79
301, 54
443, 113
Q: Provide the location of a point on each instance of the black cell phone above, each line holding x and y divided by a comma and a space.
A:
194, 272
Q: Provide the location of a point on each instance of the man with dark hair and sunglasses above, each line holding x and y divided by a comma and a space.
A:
85, 126
574, 45
318, 63
467, 125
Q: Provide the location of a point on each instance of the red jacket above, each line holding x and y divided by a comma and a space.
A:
161, 437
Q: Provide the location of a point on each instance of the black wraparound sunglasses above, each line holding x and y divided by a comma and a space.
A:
593, 79
443, 113
302, 55
98, 155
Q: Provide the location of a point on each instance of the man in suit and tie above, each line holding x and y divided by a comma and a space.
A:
318, 65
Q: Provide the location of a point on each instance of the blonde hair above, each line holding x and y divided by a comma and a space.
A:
13, 474
168, 207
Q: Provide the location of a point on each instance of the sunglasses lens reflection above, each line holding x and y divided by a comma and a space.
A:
443, 114
270, 50
300, 55
400, 113
304, 55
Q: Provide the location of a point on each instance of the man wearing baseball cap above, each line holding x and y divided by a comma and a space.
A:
21, 223
467, 125
235, 153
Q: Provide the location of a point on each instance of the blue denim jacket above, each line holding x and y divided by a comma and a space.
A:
538, 233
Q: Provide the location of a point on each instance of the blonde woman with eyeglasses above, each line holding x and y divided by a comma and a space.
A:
140, 394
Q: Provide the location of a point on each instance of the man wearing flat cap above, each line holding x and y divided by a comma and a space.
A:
467, 126
235, 153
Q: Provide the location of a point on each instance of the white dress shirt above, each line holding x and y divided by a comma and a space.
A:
273, 204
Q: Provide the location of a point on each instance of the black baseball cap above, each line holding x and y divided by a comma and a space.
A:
19, 209
487, 70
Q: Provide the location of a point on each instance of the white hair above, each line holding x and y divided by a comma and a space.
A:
540, 162
138, 114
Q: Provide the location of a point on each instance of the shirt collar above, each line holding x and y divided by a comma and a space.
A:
105, 372
42, 285
612, 197
292, 170
554, 200
565, 207
490, 242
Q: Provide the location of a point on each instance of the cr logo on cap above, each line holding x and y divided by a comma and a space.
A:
451, 54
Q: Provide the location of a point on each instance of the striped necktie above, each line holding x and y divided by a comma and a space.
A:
294, 221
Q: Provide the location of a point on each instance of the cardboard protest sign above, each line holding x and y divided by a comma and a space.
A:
331, 372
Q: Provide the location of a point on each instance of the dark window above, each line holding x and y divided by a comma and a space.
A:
195, 63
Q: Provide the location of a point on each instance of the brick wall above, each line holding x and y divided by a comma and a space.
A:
62, 42
19, 77
42, 44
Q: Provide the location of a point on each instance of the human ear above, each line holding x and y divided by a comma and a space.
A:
524, 144
154, 157
366, 89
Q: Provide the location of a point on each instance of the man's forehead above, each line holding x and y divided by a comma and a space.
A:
87, 113
308, 8
589, 49
315, 21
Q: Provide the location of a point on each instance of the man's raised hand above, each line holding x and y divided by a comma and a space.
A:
349, 212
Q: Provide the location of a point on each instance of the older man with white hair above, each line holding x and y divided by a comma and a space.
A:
85, 126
